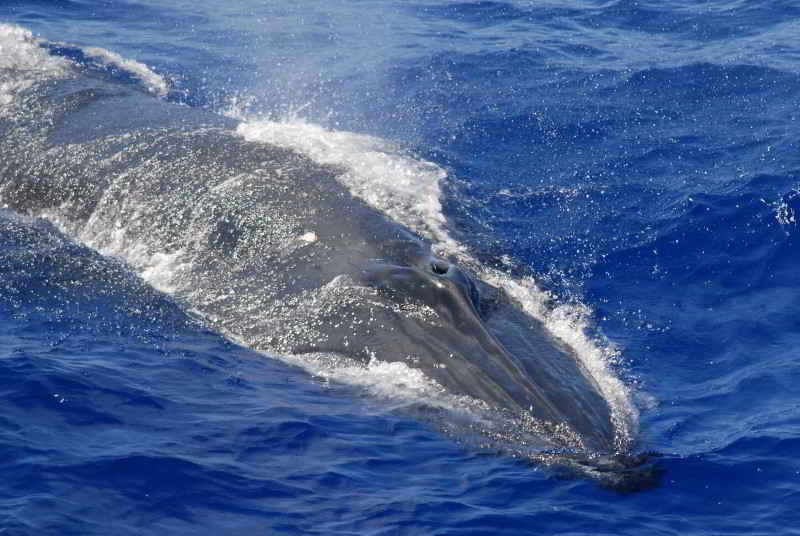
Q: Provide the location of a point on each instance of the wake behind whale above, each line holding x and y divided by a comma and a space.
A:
273, 249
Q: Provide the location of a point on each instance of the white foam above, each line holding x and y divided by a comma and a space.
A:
25, 63
159, 268
403, 187
20, 50
154, 82
395, 382
784, 212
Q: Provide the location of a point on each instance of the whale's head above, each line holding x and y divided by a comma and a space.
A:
478, 342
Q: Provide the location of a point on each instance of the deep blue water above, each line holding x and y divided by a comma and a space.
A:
638, 159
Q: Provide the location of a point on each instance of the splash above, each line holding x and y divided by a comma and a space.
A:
22, 56
155, 83
401, 186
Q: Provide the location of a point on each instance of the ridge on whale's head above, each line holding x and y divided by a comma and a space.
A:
411, 270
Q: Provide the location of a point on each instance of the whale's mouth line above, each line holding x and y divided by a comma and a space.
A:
520, 418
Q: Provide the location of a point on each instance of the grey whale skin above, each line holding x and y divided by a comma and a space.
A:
273, 250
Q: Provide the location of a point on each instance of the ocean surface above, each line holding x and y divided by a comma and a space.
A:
630, 169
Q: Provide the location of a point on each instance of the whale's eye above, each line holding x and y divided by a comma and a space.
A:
439, 267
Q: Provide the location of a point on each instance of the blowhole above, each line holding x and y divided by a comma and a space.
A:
440, 267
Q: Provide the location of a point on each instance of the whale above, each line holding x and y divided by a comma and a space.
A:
272, 249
